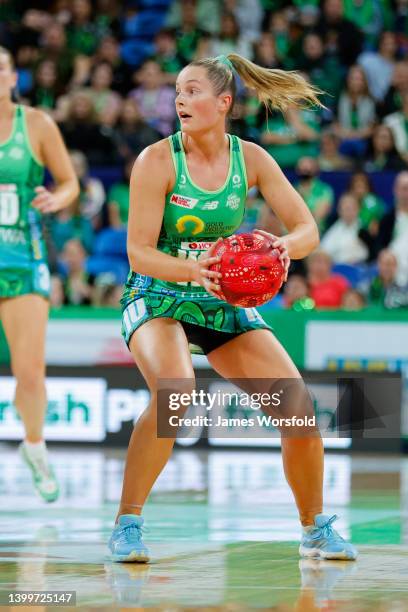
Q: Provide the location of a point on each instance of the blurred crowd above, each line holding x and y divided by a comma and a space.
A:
105, 70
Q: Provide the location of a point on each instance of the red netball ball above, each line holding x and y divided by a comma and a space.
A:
252, 272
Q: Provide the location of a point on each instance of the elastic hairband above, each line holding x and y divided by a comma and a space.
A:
224, 60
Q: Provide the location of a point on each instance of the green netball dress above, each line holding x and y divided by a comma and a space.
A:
193, 219
23, 257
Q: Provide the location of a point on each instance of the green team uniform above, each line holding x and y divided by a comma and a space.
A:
193, 219
23, 256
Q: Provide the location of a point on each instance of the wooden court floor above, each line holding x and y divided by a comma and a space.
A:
222, 529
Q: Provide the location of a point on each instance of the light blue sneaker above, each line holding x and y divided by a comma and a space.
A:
126, 540
323, 542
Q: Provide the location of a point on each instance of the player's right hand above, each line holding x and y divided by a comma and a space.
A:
209, 279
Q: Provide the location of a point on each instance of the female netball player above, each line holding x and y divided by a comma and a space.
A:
187, 189
29, 140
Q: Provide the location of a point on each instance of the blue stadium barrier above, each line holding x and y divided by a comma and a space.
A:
111, 242
354, 274
382, 182
146, 23
108, 175
155, 4
100, 264
135, 51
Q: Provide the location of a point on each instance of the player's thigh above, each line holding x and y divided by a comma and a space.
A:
24, 320
253, 354
160, 350
257, 363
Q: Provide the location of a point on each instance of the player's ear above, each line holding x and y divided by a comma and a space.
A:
224, 102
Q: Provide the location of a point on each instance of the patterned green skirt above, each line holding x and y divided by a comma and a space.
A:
19, 281
145, 298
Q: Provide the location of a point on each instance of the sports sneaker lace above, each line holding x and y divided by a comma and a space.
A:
42, 466
132, 530
327, 531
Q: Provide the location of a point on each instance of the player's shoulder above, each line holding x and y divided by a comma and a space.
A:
155, 155
258, 162
38, 118
253, 151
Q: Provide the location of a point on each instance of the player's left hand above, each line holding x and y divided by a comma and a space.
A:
45, 201
278, 242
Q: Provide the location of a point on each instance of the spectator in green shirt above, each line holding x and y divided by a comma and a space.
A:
398, 124
118, 199
70, 224
77, 283
291, 137
46, 88
54, 47
82, 33
392, 101
189, 32
167, 56
278, 25
368, 16
318, 195
207, 13
372, 207
265, 51
386, 278
324, 70
355, 115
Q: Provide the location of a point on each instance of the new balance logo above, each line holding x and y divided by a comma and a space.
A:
210, 205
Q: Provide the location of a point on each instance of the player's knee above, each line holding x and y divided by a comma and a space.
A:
177, 380
168, 391
29, 374
291, 408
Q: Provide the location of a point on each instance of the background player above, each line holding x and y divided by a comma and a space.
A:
29, 141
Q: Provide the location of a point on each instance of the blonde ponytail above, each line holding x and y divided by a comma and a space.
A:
277, 89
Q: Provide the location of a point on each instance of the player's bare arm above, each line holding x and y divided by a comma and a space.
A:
284, 200
50, 149
152, 177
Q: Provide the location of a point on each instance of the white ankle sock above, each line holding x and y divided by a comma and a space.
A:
307, 528
35, 448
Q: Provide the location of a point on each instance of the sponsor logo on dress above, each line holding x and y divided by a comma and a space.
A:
210, 205
197, 246
183, 201
198, 224
236, 180
19, 138
182, 180
233, 201
12, 236
16, 153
